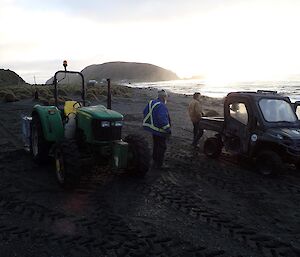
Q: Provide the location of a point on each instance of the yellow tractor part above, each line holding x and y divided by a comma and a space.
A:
70, 107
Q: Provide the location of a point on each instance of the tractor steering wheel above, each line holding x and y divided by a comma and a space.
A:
79, 104
87, 103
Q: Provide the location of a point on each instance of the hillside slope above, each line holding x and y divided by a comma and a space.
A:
126, 71
8, 77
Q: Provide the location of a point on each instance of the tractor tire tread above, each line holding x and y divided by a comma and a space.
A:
43, 144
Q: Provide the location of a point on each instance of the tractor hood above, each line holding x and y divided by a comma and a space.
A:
292, 133
100, 112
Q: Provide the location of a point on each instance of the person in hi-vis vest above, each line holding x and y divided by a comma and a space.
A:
157, 121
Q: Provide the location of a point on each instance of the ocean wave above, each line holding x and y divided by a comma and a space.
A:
288, 88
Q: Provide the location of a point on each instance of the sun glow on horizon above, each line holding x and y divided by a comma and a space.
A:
243, 43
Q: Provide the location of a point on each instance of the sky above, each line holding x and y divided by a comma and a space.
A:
228, 40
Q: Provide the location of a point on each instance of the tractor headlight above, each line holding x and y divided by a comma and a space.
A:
119, 123
105, 124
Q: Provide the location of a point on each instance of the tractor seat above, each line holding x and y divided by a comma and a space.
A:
70, 118
70, 107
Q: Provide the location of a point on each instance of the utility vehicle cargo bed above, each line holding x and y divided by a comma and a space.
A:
212, 123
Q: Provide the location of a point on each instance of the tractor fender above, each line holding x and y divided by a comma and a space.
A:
51, 120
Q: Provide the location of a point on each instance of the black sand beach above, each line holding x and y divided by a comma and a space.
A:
197, 207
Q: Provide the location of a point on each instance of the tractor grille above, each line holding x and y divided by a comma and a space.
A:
105, 133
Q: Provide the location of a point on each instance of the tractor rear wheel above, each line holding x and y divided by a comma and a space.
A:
268, 163
39, 147
67, 163
213, 147
138, 155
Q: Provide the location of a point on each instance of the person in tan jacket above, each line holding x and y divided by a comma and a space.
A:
195, 112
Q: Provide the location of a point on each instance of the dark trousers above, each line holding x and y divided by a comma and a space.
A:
198, 133
159, 149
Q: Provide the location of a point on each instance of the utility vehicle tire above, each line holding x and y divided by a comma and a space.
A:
213, 147
39, 147
297, 165
268, 163
138, 155
67, 163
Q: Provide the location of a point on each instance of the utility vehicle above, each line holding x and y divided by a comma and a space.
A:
262, 126
78, 137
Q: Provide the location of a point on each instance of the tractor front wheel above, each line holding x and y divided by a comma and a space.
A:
67, 163
138, 155
39, 147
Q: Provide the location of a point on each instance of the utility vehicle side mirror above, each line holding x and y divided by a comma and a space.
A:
297, 109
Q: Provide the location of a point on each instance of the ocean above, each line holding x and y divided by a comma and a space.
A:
287, 88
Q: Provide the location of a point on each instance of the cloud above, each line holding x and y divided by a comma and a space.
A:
221, 38
120, 10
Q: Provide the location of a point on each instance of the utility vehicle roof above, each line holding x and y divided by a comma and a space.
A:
258, 95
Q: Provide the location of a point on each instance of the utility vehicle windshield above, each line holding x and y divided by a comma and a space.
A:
277, 110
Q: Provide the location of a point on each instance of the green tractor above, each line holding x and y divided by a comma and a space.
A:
80, 137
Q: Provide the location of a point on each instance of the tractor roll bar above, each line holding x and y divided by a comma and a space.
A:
55, 85
108, 94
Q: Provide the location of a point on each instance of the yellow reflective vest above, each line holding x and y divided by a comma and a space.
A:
156, 118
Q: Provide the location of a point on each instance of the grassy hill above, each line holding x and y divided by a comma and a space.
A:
126, 71
8, 77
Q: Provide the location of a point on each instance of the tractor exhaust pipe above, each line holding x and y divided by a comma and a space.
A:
108, 94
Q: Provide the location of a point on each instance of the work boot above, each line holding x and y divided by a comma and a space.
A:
195, 145
155, 165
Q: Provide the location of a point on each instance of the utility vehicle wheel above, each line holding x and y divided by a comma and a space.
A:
138, 155
297, 166
213, 147
67, 163
39, 147
268, 163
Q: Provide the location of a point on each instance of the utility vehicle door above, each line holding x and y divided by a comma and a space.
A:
237, 125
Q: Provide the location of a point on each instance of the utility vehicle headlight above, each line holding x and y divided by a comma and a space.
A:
288, 142
105, 124
119, 123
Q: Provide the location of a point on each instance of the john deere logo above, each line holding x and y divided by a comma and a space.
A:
254, 138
